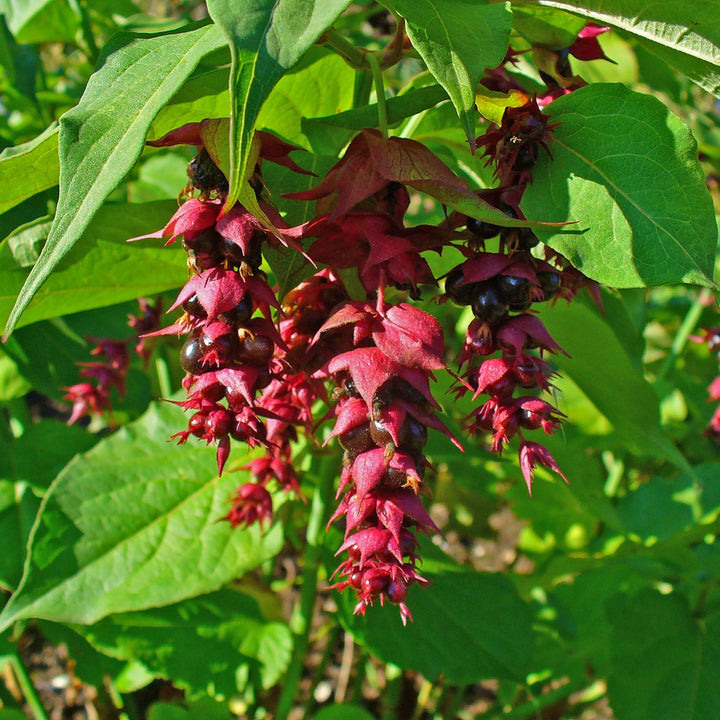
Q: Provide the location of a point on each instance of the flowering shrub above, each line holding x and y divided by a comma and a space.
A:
439, 262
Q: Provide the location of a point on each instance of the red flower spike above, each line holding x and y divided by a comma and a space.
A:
251, 503
218, 291
190, 219
531, 454
367, 471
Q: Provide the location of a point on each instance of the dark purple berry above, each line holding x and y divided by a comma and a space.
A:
413, 435
459, 294
192, 306
549, 283
205, 175
357, 440
488, 305
190, 355
240, 314
513, 290
256, 350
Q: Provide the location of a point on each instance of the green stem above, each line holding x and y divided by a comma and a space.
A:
372, 61
687, 326
27, 688
353, 56
163, 376
91, 48
327, 470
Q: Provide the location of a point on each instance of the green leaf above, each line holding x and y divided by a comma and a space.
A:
664, 662
601, 367
458, 40
625, 170
103, 268
12, 383
264, 44
136, 517
40, 21
546, 27
685, 35
331, 132
199, 643
343, 712
323, 87
7, 714
205, 708
467, 626
29, 168
18, 508
137, 77
205, 95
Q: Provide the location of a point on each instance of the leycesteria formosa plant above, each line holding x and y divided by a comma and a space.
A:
416, 255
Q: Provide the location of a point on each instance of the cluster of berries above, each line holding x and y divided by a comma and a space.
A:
93, 395
712, 338
249, 380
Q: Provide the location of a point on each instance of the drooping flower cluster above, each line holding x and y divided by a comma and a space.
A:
712, 338
248, 379
240, 386
93, 395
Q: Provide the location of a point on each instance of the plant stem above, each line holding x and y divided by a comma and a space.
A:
353, 56
326, 471
372, 61
687, 326
27, 688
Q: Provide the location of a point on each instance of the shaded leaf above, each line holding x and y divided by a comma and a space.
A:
137, 77
686, 36
40, 21
458, 40
103, 268
643, 217
485, 627
343, 712
264, 44
601, 367
29, 168
664, 662
199, 643
137, 517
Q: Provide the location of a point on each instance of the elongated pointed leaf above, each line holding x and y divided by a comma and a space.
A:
458, 40
644, 217
134, 524
267, 37
103, 269
29, 168
98, 147
685, 35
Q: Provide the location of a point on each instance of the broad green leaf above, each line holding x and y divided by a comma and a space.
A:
103, 268
8, 714
664, 507
265, 41
664, 661
204, 708
40, 21
137, 77
600, 365
18, 508
458, 40
545, 26
685, 35
323, 87
343, 712
137, 517
205, 95
331, 132
29, 168
199, 643
467, 626
625, 170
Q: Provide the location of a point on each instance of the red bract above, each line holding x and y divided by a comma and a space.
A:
532, 454
251, 503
